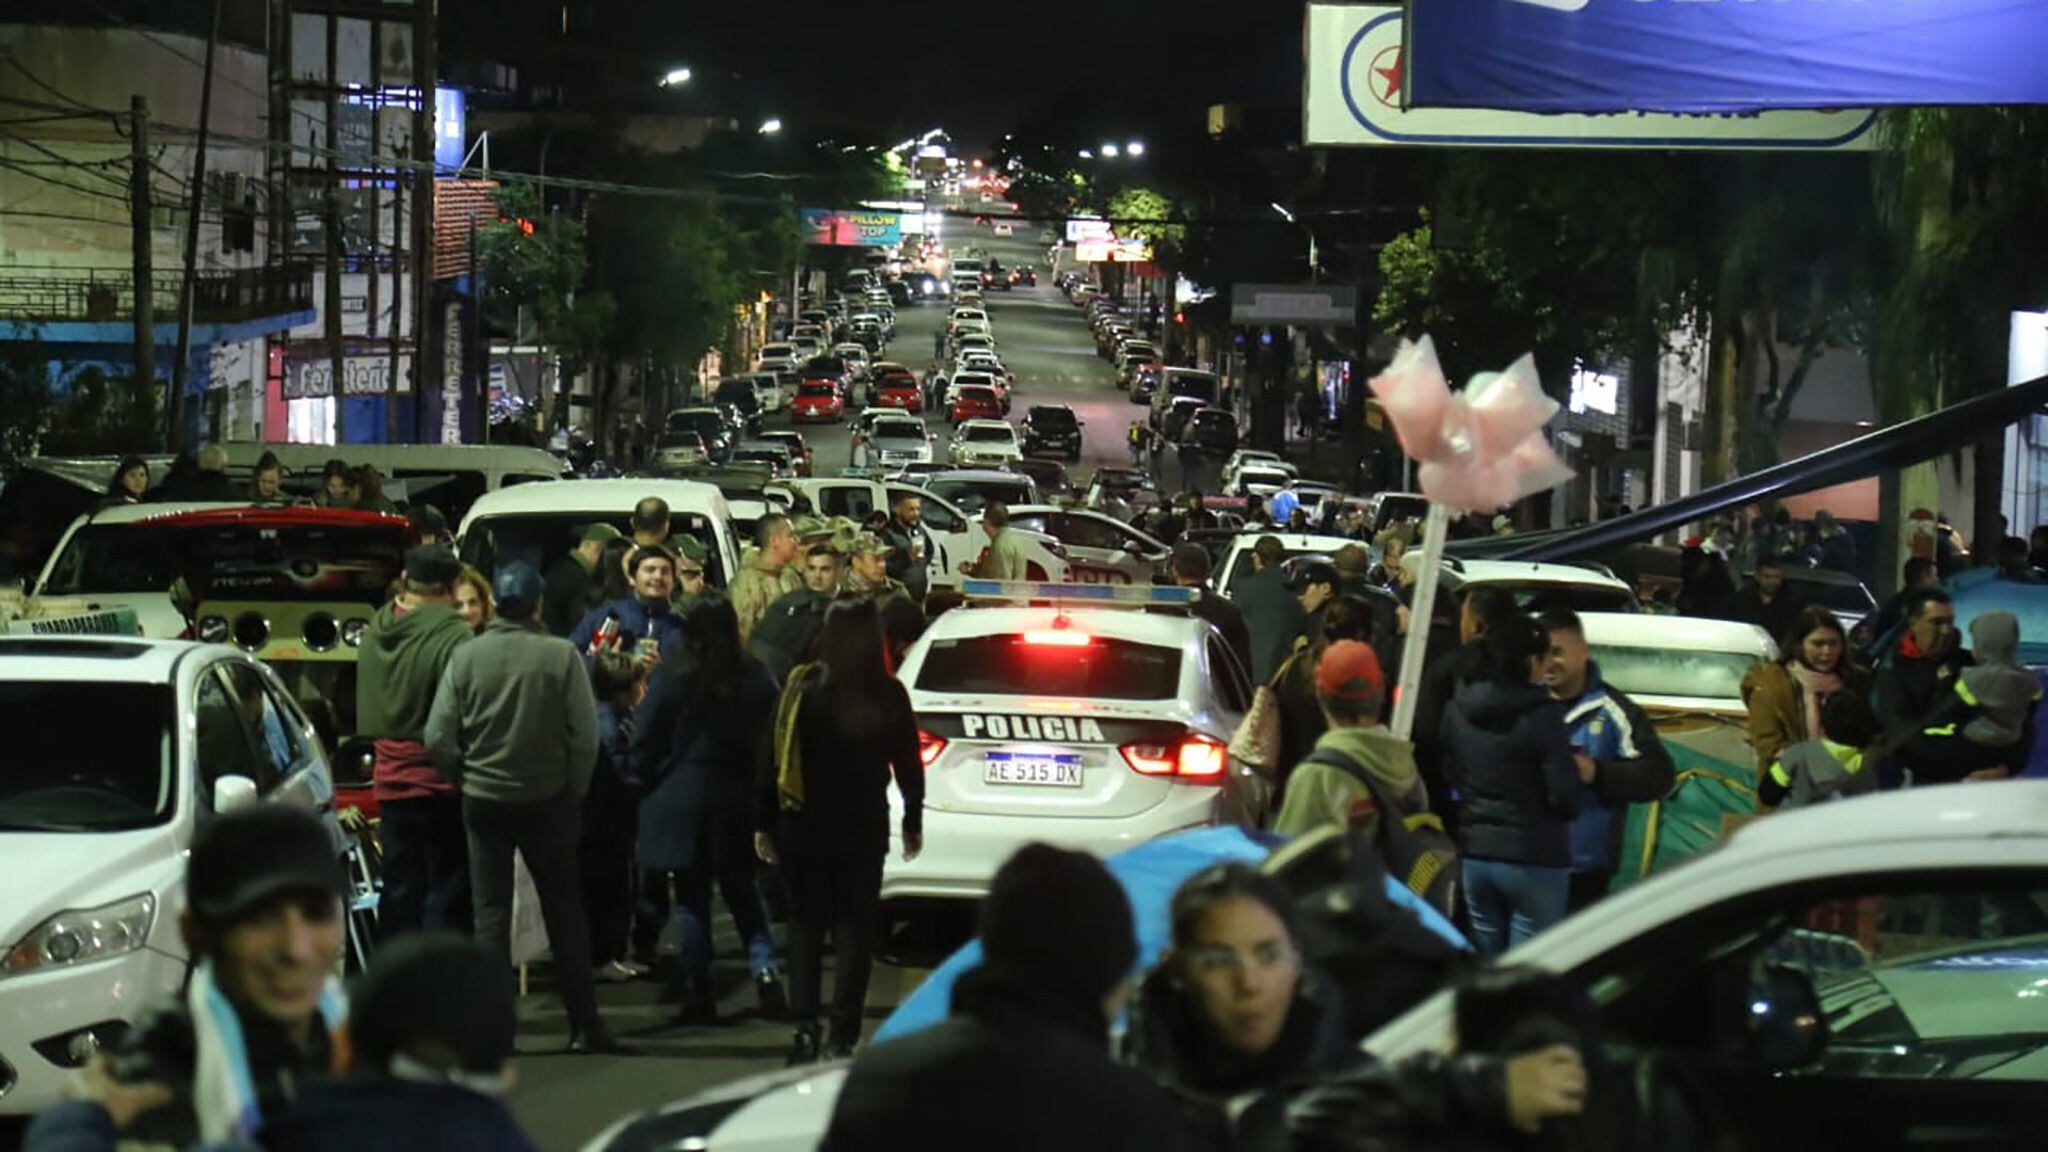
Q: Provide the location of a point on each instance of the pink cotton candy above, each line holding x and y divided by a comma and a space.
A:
1481, 448
1413, 393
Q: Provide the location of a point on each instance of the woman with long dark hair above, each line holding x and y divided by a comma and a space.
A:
1784, 697
843, 730
694, 745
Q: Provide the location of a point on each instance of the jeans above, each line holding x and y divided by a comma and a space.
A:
426, 866
1508, 903
545, 832
605, 859
842, 895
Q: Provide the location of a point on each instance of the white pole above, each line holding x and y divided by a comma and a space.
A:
1435, 529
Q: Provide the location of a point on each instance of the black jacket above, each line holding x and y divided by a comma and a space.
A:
1506, 753
1273, 617
571, 592
336, 1116
163, 1047
1229, 1101
846, 777
1420, 1104
1910, 689
1775, 617
1013, 1068
1229, 621
916, 577
1442, 679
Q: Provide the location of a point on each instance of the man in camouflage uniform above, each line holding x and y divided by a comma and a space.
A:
767, 572
784, 637
691, 584
867, 570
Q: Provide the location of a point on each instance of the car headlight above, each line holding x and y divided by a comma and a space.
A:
214, 630
82, 936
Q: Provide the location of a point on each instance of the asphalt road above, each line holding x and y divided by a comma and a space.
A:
564, 1101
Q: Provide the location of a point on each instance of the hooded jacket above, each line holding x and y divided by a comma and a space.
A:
1812, 771
1506, 752
1219, 1092
2001, 692
398, 672
1632, 767
515, 720
1015, 1067
1912, 690
1319, 793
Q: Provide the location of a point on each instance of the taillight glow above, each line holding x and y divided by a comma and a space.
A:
1195, 758
929, 747
1058, 638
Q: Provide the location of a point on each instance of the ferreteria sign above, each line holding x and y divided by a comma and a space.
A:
1357, 67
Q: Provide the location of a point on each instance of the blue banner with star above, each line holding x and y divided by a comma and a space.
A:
1724, 55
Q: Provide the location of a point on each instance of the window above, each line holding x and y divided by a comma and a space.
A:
1100, 669
938, 517
111, 558
853, 501
280, 747
1926, 977
225, 744
1087, 532
1672, 672
1228, 676
86, 756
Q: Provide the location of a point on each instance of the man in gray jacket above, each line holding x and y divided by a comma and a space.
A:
515, 724
1272, 613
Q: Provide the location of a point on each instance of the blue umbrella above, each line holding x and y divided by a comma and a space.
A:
1150, 873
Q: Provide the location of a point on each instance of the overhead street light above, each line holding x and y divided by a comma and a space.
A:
675, 76
1108, 150
1135, 148
1284, 213
1087, 153
770, 126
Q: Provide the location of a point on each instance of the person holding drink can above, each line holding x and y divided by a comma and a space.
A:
643, 624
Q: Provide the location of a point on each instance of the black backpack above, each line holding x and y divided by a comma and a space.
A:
1416, 848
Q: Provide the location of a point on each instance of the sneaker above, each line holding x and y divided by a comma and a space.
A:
803, 1047
612, 973
768, 989
634, 967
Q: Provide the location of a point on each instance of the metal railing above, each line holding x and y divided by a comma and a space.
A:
91, 294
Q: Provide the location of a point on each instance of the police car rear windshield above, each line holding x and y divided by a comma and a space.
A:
1101, 669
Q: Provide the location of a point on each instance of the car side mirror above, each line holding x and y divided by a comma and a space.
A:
231, 793
1784, 1028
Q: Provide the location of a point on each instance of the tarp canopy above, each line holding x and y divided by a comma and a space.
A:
1724, 56
1149, 873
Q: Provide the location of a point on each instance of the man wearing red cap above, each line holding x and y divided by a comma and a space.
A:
1330, 787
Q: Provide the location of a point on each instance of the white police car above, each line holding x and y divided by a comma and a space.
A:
1071, 714
118, 750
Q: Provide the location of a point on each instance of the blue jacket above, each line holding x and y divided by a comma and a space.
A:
1507, 757
697, 762
338, 1116
1633, 767
636, 619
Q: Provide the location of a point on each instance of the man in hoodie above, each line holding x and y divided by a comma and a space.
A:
1057, 941
515, 723
1616, 748
398, 671
1334, 785
648, 624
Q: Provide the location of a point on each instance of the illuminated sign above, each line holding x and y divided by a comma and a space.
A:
451, 128
1114, 250
1087, 228
855, 229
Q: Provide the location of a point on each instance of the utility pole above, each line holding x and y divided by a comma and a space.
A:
420, 242
139, 210
198, 201
336, 358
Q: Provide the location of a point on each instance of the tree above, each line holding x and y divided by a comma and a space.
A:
534, 264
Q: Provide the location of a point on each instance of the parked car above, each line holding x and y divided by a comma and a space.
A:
799, 449
984, 442
817, 400
1215, 430
973, 401
1052, 428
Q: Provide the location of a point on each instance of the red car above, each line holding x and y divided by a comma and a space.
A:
817, 400
975, 402
900, 390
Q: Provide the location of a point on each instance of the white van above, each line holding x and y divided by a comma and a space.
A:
539, 523
448, 476
119, 749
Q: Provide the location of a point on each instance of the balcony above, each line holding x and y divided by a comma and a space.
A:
98, 296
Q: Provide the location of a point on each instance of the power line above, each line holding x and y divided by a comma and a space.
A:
60, 158
80, 189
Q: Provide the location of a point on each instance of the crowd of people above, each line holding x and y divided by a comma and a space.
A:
202, 477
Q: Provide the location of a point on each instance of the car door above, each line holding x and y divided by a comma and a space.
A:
1896, 1009
1092, 547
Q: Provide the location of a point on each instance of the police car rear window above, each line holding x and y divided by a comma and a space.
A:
1100, 669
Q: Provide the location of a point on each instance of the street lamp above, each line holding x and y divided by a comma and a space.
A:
1087, 153
1314, 259
770, 126
1135, 148
675, 76
1108, 151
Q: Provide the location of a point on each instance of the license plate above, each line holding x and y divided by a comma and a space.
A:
1058, 771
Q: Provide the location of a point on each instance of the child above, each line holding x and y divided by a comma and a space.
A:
1988, 720
1829, 767
611, 815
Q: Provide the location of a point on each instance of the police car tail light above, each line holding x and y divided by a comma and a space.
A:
1193, 757
929, 747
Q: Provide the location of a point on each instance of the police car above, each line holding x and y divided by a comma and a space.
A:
1100, 549
1088, 716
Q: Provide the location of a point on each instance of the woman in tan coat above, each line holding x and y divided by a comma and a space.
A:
1784, 697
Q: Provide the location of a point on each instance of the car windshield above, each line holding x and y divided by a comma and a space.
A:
1672, 672
121, 777
677, 440
990, 433
825, 366
705, 424
1214, 420
973, 495
824, 390
542, 538
1052, 418
1101, 669
898, 430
